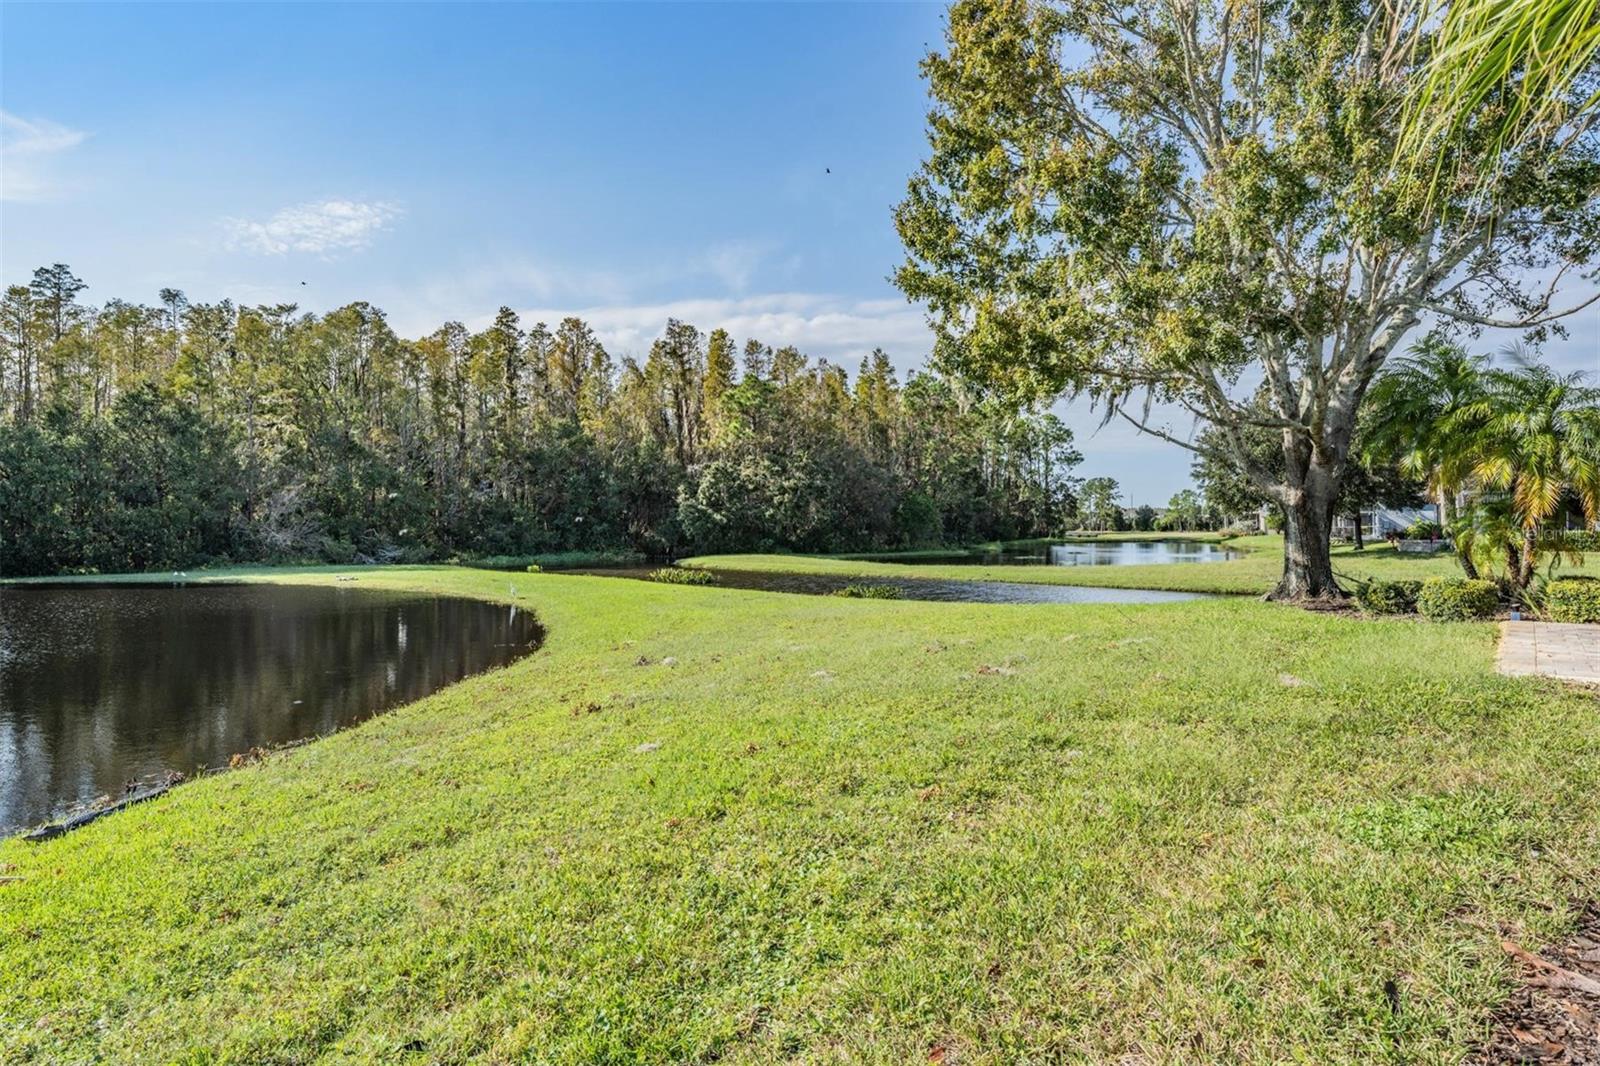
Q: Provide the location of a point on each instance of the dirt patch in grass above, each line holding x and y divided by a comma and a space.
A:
1554, 1015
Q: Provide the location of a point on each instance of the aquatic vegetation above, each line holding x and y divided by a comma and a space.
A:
869, 592
677, 575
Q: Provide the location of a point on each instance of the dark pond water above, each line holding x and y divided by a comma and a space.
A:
1080, 553
102, 685
922, 588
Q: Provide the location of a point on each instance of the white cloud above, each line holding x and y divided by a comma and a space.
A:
27, 148
734, 263
831, 327
322, 227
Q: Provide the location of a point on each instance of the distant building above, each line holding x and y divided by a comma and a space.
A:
1379, 522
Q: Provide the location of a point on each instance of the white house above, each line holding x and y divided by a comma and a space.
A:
1379, 522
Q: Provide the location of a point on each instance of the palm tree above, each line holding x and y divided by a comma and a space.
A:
1415, 413
1534, 437
1518, 61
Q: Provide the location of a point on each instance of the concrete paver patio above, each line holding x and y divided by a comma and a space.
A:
1550, 649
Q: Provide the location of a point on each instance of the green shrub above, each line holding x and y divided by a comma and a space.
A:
550, 560
1422, 529
496, 562
535, 568
677, 575
1389, 597
1579, 540
1573, 599
869, 592
1457, 599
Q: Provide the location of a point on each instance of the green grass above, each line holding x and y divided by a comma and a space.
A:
831, 831
1256, 571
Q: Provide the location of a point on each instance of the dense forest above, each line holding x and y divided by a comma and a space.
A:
146, 437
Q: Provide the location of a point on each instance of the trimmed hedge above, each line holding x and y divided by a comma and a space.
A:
1573, 599
1457, 599
1389, 597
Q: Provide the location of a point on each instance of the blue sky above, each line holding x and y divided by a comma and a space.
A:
624, 162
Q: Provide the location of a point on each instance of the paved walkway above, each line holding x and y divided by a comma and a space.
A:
1550, 649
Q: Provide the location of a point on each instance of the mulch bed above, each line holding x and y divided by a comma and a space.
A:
1554, 1015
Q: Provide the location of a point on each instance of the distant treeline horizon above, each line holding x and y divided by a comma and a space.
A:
179, 434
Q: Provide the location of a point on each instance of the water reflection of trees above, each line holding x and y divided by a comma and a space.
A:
98, 686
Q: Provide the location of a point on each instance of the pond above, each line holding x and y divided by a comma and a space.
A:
1079, 553
923, 588
101, 685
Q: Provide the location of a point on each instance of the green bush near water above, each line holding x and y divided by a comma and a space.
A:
676, 575
1388, 597
869, 592
552, 560
1457, 599
1573, 599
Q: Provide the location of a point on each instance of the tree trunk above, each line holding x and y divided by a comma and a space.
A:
1447, 523
1310, 487
1524, 572
1307, 534
1360, 544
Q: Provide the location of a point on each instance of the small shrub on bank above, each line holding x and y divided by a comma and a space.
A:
550, 560
676, 575
1457, 599
1573, 599
535, 568
869, 592
1389, 597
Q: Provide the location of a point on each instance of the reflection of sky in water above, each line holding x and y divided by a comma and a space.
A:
101, 685
1136, 553
1076, 553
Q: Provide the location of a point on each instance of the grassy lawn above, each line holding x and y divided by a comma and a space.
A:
1256, 571
704, 824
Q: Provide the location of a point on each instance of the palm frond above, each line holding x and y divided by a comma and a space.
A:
1523, 57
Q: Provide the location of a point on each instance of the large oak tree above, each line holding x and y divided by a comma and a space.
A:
1182, 201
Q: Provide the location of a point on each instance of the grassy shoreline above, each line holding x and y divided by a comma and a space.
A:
703, 823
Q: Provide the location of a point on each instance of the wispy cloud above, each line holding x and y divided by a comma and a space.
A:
734, 263
321, 227
831, 327
27, 150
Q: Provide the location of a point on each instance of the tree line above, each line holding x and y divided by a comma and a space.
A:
137, 436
